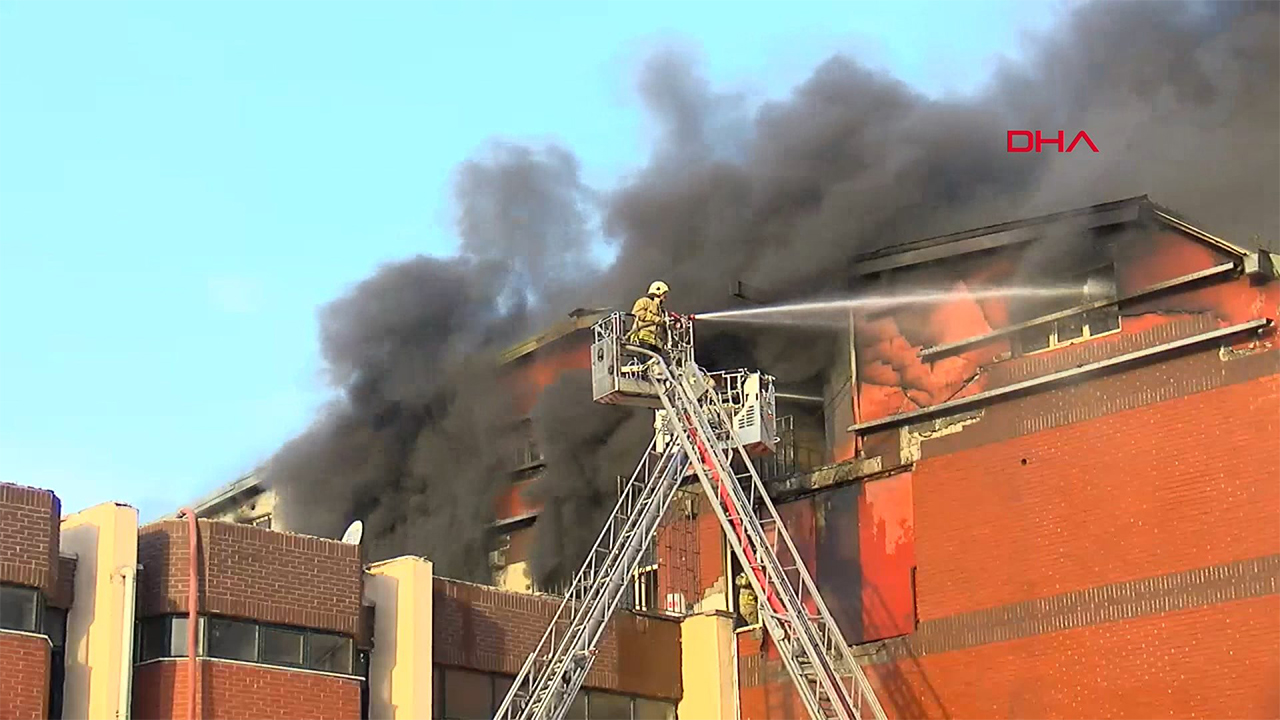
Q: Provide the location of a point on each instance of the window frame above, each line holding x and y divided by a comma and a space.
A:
303, 644
1106, 271
36, 617
165, 624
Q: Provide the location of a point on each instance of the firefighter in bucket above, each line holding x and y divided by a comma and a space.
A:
650, 330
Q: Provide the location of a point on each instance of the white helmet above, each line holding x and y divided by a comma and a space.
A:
658, 288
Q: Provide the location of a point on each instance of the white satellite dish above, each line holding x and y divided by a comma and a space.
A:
353, 534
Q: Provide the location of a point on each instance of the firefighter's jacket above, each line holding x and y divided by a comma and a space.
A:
650, 319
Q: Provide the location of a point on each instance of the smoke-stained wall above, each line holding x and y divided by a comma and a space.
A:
1181, 100
894, 379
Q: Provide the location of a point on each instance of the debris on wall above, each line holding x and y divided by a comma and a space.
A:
912, 437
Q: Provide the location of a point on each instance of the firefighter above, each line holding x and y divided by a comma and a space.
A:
747, 606
650, 328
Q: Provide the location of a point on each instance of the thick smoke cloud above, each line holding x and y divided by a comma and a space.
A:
1182, 101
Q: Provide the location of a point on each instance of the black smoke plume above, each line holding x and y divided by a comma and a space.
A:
1182, 101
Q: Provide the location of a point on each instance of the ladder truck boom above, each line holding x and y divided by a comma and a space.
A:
703, 434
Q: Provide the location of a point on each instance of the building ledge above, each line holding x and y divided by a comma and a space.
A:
830, 476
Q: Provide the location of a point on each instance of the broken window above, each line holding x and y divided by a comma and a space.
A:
1094, 285
527, 452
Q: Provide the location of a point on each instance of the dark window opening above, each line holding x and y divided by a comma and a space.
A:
1096, 284
55, 627
459, 694
249, 641
233, 640
331, 653
20, 608
281, 646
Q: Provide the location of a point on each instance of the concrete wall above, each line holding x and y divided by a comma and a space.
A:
706, 662
402, 592
104, 539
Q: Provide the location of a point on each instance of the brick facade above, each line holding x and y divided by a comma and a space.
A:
1128, 556
253, 573
29, 532
1214, 661
235, 691
64, 591
24, 676
490, 630
1157, 489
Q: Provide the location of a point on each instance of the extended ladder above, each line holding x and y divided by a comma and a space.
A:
829, 681
554, 671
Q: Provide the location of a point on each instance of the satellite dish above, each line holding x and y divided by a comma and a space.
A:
353, 534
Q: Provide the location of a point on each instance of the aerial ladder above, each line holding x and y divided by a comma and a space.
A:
703, 433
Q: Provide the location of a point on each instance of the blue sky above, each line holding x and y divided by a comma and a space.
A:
182, 185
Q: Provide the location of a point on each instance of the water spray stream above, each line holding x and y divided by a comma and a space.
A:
836, 312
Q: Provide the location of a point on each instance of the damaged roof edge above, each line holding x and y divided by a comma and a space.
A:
251, 481
578, 319
1018, 231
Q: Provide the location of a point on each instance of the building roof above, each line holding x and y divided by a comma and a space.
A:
1018, 231
579, 319
248, 485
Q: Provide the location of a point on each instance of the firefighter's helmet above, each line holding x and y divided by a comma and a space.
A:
658, 288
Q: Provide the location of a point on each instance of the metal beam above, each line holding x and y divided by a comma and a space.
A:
931, 353
952, 405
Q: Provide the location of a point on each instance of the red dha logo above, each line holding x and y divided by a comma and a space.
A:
1039, 141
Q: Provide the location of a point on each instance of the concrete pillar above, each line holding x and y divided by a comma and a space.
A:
707, 666
99, 667
400, 666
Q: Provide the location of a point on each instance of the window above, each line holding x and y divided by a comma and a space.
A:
578, 709
459, 694
527, 452
232, 639
467, 694
55, 627
607, 706
281, 646
249, 641
263, 522
1097, 284
330, 653
645, 588
646, 709
19, 608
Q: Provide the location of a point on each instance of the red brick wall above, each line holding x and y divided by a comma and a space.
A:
24, 676
1171, 486
690, 549
253, 573
237, 691
490, 630
1127, 569
1215, 661
64, 591
29, 521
